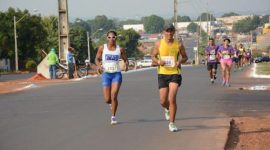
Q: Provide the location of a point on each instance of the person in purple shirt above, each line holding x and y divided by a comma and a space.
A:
211, 57
226, 52
236, 57
247, 56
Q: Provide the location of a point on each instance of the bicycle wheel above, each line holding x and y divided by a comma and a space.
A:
82, 72
60, 73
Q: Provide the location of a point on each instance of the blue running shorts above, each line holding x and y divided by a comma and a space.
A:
109, 78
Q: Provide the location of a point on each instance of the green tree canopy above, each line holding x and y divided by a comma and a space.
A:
246, 25
31, 36
101, 22
182, 19
206, 17
153, 24
192, 27
230, 14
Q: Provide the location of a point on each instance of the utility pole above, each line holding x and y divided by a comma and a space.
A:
88, 46
16, 48
63, 29
175, 18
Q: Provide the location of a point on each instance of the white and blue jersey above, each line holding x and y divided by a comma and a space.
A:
111, 68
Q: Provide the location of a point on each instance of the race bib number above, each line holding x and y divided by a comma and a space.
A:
169, 61
110, 67
212, 57
226, 56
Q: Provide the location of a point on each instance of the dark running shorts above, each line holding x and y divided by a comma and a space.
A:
211, 66
164, 80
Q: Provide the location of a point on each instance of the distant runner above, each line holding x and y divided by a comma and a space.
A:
225, 52
211, 57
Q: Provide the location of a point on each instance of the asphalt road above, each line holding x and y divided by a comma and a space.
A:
73, 115
9, 77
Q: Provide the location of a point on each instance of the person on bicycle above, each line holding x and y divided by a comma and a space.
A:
109, 54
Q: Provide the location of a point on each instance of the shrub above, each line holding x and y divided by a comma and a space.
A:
31, 65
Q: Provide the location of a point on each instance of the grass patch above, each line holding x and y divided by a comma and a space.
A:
263, 68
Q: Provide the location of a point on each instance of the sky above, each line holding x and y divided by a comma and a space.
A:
135, 9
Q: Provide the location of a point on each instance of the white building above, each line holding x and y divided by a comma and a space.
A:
136, 27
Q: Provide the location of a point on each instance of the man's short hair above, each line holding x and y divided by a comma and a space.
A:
169, 27
71, 49
227, 39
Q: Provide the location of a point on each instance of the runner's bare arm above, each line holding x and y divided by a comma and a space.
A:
124, 57
99, 57
154, 55
183, 54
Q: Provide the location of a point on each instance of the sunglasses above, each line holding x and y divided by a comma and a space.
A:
111, 37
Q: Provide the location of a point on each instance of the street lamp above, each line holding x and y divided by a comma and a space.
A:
88, 42
15, 38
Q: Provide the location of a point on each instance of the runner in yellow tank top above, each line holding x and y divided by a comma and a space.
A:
169, 54
166, 55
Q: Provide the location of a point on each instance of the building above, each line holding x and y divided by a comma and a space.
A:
137, 27
229, 21
5, 65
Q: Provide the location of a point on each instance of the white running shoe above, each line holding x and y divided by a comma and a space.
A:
167, 114
113, 120
212, 81
172, 127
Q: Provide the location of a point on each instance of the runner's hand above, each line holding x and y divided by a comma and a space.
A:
126, 67
99, 70
161, 62
178, 64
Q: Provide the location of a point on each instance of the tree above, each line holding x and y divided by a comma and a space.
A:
99, 22
78, 40
50, 25
153, 24
247, 24
230, 14
192, 27
182, 19
206, 17
30, 36
264, 19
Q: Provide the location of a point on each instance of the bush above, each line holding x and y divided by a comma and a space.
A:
31, 65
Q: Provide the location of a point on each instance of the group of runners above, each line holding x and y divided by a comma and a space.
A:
226, 55
168, 55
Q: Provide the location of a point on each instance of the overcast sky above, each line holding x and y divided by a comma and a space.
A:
135, 9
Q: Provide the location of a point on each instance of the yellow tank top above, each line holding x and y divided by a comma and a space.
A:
241, 51
169, 54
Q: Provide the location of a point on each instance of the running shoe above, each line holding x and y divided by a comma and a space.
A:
215, 77
167, 114
227, 85
212, 81
223, 83
172, 127
113, 120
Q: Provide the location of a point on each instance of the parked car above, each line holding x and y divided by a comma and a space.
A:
131, 61
144, 63
262, 59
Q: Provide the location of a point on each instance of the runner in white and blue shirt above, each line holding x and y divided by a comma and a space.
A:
110, 55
